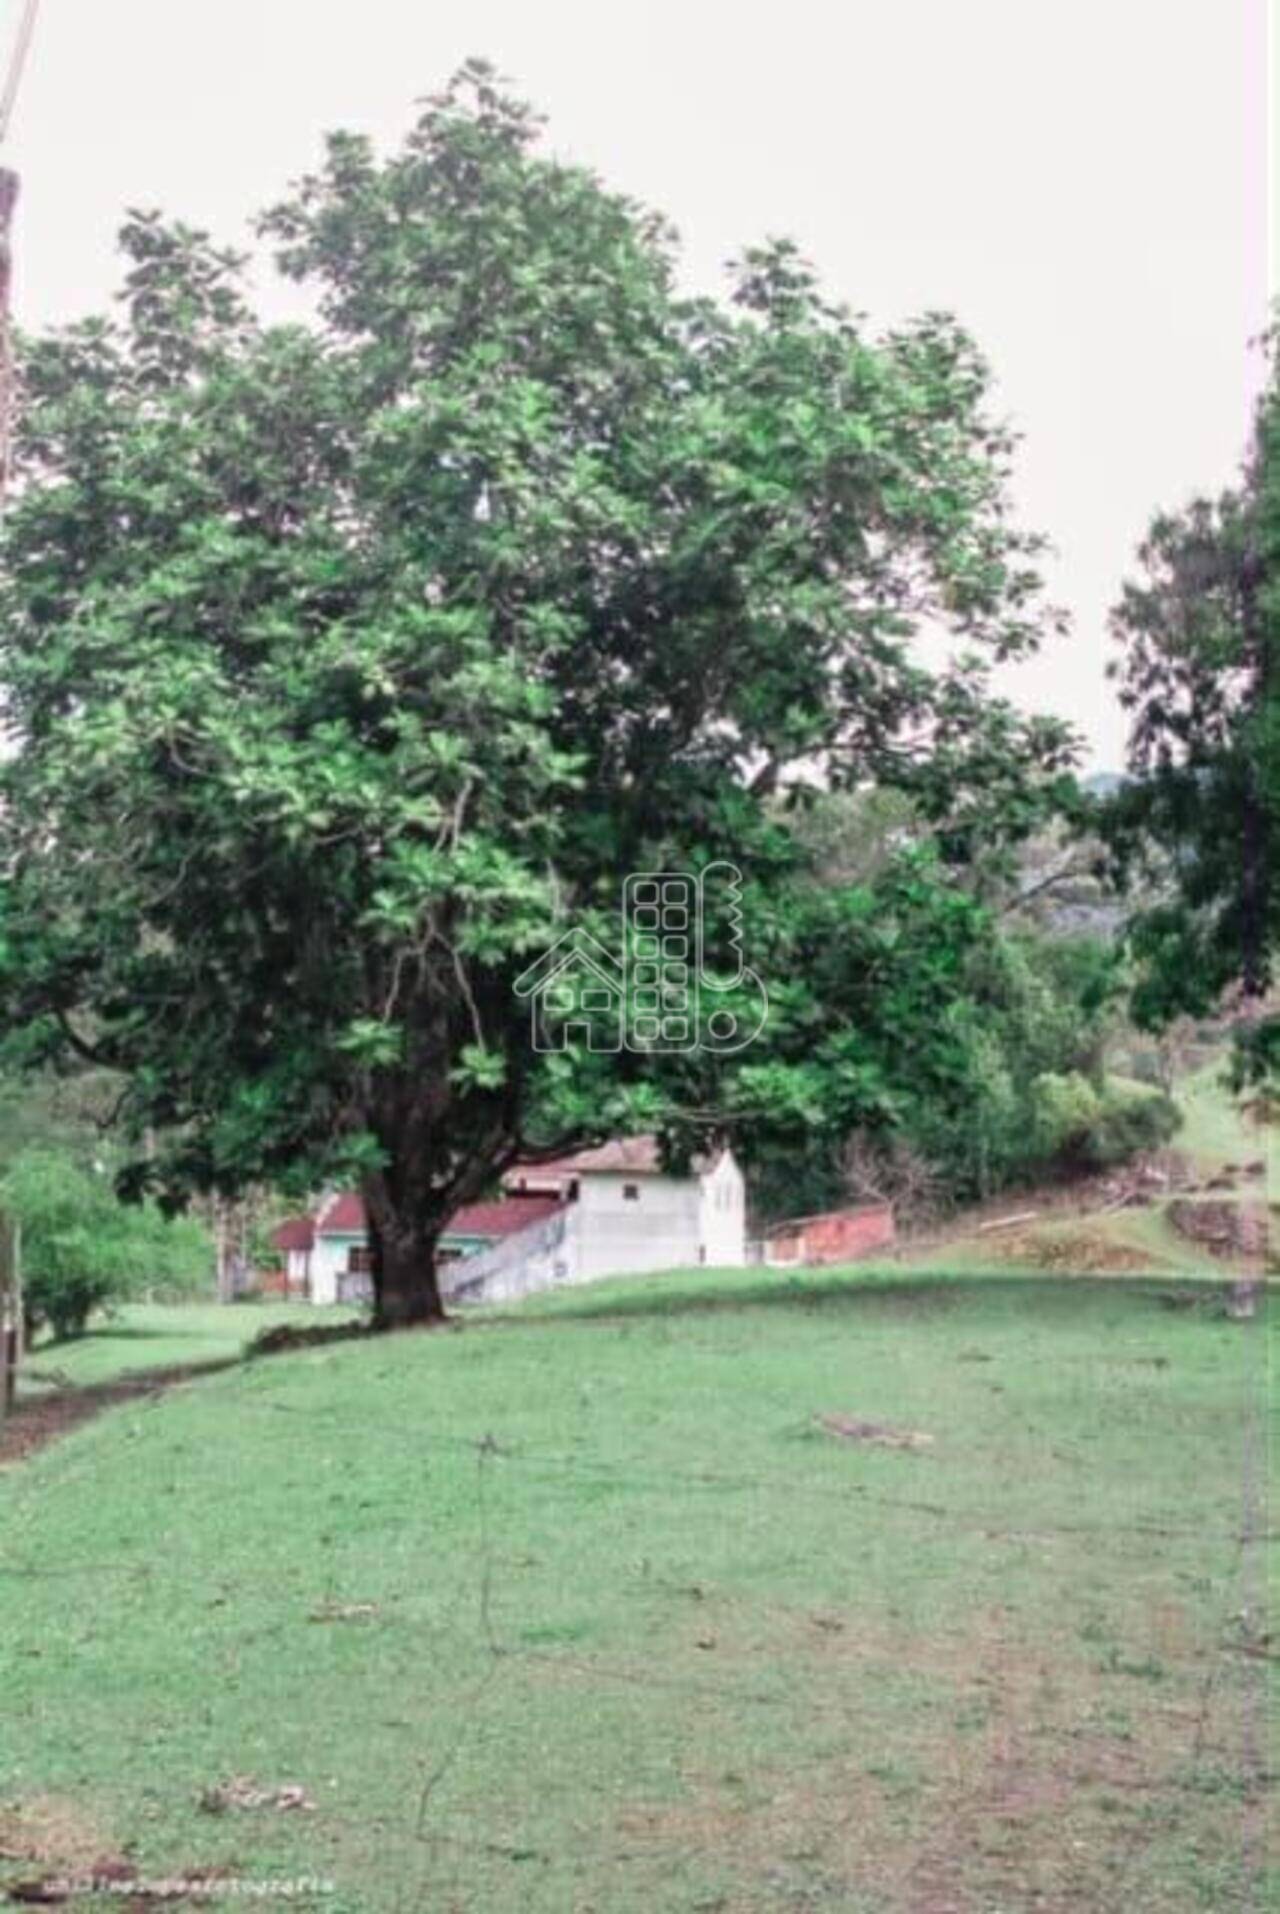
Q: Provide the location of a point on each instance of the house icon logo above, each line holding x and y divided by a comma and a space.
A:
661, 995
578, 994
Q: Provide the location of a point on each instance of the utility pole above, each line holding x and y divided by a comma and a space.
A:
11, 1323
9, 184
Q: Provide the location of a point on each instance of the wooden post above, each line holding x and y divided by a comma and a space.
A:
10, 1312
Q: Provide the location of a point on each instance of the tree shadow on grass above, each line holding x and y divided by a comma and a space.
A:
123, 1332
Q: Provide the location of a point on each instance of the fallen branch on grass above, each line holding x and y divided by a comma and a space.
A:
853, 1429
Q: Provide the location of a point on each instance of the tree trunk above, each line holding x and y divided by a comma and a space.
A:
225, 1271
405, 1285
1255, 861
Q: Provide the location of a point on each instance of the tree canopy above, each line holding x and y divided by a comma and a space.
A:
1200, 674
346, 663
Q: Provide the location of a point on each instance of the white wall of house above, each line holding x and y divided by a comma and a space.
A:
329, 1264
632, 1224
724, 1214
297, 1267
605, 1232
540, 1257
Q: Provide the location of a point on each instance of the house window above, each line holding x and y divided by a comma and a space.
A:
359, 1260
631, 1192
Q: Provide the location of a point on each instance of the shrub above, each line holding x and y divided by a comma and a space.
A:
1079, 1127
1131, 1120
82, 1248
1064, 1111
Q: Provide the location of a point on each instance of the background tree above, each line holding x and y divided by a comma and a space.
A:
919, 1043
341, 663
82, 1248
1201, 677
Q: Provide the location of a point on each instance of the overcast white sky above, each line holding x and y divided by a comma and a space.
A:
1085, 183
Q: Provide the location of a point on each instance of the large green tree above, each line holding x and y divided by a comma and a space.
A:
343, 661
1200, 675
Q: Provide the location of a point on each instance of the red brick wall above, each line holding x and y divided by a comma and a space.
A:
841, 1236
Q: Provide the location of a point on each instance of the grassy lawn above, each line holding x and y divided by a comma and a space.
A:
1099, 1242
141, 1336
578, 1608
1214, 1131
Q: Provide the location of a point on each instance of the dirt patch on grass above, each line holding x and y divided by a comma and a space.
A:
999, 1827
36, 1420
49, 1831
50, 1849
1022, 1772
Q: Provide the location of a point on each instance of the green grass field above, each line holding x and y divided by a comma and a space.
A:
579, 1609
142, 1336
1214, 1131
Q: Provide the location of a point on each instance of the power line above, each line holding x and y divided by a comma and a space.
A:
17, 64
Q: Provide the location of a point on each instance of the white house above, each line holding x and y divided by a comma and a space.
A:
294, 1243
326, 1256
610, 1211
629, 1216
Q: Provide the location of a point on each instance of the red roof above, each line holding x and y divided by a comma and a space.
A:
503, 1218
344, 1216
296, 1232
